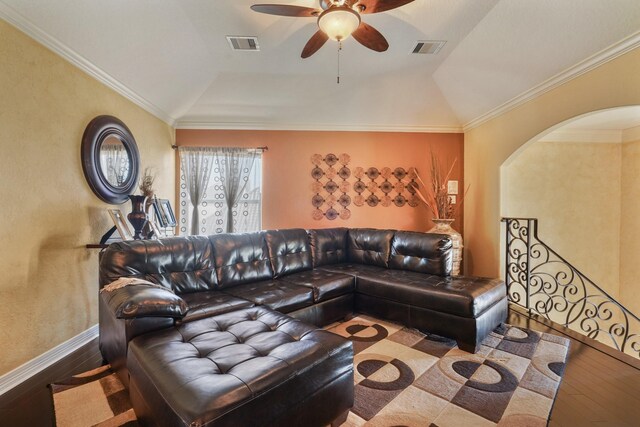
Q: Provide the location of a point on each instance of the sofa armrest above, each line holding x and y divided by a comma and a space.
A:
139, 300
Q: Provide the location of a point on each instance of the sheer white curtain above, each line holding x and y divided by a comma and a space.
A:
114, 159
229, 200
196, 165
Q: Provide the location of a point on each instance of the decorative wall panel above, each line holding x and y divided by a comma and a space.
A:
334, 192
331, 186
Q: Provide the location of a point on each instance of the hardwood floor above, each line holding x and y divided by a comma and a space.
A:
597, 389
30, 403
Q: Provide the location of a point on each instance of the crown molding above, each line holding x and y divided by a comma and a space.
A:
584, 135
21, 23
189, 124
23, 372
594, 61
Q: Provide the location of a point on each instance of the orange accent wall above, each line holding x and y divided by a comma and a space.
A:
287, 170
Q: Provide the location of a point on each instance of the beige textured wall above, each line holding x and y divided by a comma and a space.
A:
487, 146
573, 188
49, 284
630, 227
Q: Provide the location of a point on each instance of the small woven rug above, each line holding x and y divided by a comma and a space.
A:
93, 398
403, 377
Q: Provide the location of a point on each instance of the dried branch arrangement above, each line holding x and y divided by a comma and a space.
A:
435, 195
146, 182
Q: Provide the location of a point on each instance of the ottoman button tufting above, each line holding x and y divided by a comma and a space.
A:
240, 385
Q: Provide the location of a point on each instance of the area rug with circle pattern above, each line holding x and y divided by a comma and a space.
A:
406, 378
402, 378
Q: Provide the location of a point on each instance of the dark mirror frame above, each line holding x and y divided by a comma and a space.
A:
97, 131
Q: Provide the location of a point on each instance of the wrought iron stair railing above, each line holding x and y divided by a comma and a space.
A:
541, 281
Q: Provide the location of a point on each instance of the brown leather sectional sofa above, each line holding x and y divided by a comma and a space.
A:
232, 301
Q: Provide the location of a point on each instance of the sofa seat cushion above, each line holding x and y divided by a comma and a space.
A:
246, 367
325, 284
276, 294
207, 304
353, 269
461, 296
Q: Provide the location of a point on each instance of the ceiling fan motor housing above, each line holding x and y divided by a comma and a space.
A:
338, 22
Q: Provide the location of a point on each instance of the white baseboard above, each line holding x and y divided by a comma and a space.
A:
23, 372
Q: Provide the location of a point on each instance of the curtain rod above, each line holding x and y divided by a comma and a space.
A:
265, 148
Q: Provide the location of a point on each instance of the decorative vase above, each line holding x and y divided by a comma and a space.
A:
138, 216
443, 226
147, 231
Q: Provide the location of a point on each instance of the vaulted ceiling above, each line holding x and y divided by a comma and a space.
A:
172, 57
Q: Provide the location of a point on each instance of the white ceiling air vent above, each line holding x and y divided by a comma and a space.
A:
243, 43
430, 47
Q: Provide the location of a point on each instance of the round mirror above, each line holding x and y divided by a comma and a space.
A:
110, 159
115, 163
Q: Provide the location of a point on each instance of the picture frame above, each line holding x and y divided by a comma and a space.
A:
120, 222
157, 233
164, 213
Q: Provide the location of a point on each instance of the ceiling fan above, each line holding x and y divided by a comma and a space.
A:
337, 20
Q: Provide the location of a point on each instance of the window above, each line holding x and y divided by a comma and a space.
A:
246, 213
220, 190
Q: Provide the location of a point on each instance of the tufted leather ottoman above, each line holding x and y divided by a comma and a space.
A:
252, 367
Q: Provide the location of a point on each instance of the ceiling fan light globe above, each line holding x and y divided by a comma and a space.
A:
338, 22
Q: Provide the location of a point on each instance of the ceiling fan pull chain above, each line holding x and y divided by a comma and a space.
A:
339, 49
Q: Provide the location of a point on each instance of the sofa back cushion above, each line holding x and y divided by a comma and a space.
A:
182, 264
369, 246
241, 258
422, 252
328, 245
289, 251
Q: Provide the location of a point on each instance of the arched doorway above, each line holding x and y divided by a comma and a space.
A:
581, 180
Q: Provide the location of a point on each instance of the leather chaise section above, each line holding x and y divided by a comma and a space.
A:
276, 294
462, 296
182, 264
468, 332
289, 251
206, 304
325, 284
369, 246
328, 245
423, 253
241, 258
246, 367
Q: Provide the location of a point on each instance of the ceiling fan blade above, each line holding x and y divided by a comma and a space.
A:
285, 10
377, 6
315, 42
369, 37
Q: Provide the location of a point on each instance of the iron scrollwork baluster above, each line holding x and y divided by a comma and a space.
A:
541, 281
